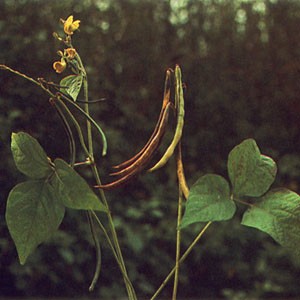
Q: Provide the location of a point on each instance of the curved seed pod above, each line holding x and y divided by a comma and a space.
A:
145, 158
179, 103
152, 145
157, 134
89, 118
166, 100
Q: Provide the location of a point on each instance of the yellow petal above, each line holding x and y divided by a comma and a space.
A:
71, 52
75, 24
69, 20
70, 26
59, 66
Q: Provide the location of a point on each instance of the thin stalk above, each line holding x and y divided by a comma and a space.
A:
4, 67
241, 201
86, 105
110, 243
119, 256
116, 246
178, 240
181, 260
182, 190
88, 123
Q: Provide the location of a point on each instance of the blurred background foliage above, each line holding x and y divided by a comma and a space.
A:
240, 62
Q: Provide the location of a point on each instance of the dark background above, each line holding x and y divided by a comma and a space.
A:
240, 62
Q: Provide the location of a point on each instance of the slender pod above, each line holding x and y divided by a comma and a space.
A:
145, 158
179, 104
89, 118
76, 124
68, 131
98, 251
166, 100
150, 145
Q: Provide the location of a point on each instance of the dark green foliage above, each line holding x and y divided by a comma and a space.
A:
209, 200
250, 172
36, 208
73, 189
30, 158
33, 214
240, 65
277, 213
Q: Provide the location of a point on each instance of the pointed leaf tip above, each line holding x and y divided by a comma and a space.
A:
30, 158
250, 172
73, 190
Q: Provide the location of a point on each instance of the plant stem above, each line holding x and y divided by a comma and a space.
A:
178, 240
241, 201
181, 260
110, 243
88, 123
182, 189
4, 67
116, 246
89, 152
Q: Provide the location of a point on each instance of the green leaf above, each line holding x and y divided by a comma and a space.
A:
209, 200
73, 190
29, 156
33, 214
277, 214
73, 84
250, 172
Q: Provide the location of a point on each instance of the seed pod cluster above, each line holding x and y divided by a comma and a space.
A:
139, 162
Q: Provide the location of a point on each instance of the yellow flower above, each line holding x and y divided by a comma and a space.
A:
70, 52
59, 66
70, 26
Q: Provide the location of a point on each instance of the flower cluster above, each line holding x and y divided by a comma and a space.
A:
70, 53
67, 55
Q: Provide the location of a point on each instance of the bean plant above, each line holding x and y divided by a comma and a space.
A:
36, 207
